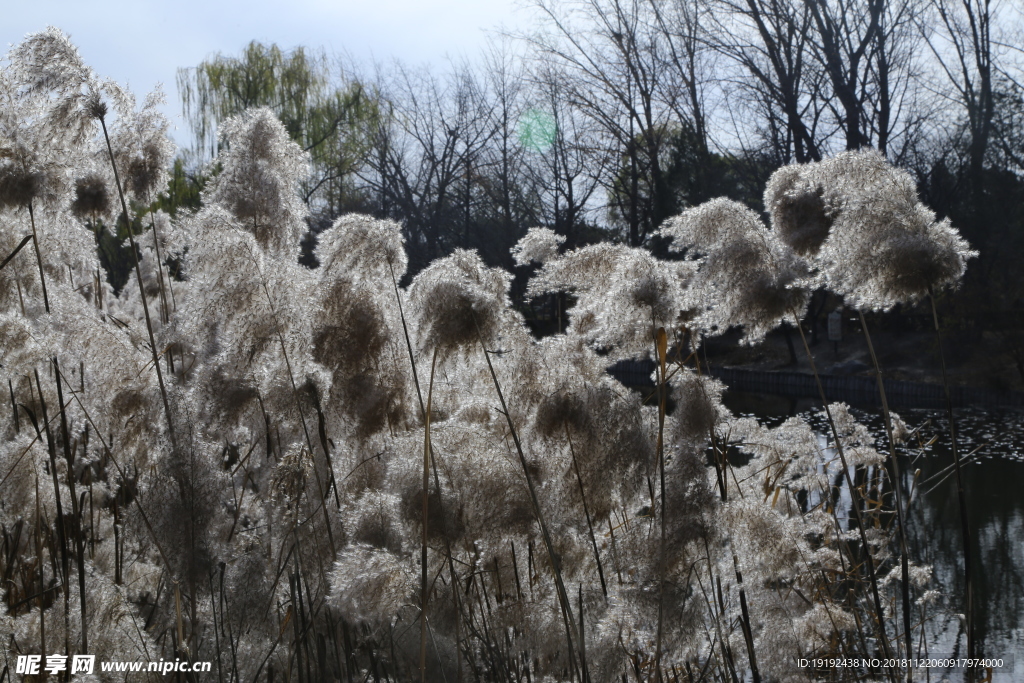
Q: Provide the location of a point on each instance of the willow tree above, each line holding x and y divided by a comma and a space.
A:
324, 111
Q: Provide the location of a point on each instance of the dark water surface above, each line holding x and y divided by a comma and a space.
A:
994, 483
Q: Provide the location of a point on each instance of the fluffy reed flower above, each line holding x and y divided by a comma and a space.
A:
791, 452
698, 408
356, 325
92, 196
363, 245
370, 585
457, 299
185, 501
798, 208
622, 295
258, 183
47, 63
374, 520
29, 165
142, 148
871, 238
746, 275
539, 245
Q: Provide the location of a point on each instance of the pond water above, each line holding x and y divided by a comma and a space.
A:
994, 484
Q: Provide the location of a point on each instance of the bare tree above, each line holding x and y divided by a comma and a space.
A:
429, 137
612, 54
961, 41
770, 40
569, 165
505, 208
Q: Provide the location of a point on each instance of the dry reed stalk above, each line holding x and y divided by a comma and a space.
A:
748, 633
563, 598
615, 551
965, 529
109, 454
14, 253
165, 311
424, 594
142, 289
75, 509
586, 512
661, 343
52, 450
898, 496
14, 408
21, 296
868, 558
42, 584
39, 257
437, 482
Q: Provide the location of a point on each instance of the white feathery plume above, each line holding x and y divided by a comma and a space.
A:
746, 276
623, 295
869, 235
370, 585
539, 245
142, 149
258, 183
457, 300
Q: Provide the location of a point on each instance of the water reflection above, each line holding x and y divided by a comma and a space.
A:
993, 478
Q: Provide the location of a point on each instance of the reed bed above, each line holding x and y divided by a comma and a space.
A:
320, 475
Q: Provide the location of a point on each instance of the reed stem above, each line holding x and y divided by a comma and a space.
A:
897, 484
868, 558
39, 257
661, 343
423, 552
965, 528
563, 598
142, 289
76, 512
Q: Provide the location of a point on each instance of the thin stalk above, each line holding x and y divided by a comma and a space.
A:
17, 281
748, 633
42, 585
515, 569
14, 408
586, 511
437, 483
661, 341
563, 597
965, 528
177, 618
897, 493
52, 449
165, 309
305, 430
424, 593
14, 253
39, 257
121, 473
142, 290
868, 558
615, 551
583, 635
75, 511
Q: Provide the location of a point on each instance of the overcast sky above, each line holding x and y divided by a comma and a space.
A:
143, 43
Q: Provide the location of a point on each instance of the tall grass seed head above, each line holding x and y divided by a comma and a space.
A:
798, 209
459, 300
364, 247
258, 184
746, 275
539, 245
885, 247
